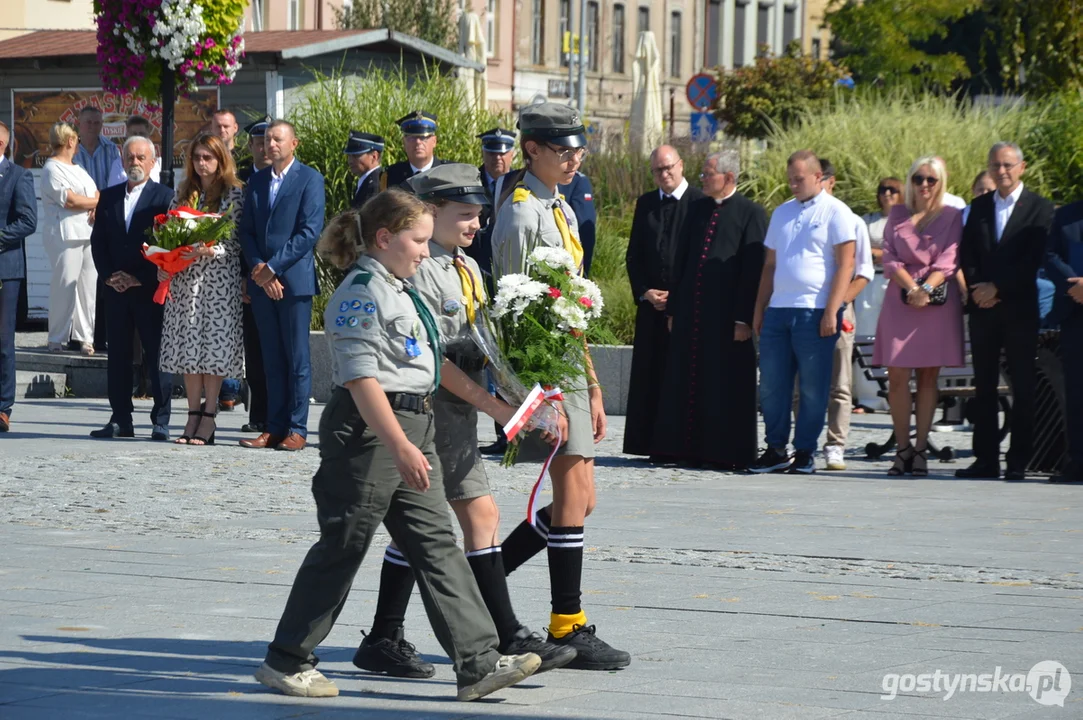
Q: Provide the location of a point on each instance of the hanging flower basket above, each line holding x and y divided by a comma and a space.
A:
201, 40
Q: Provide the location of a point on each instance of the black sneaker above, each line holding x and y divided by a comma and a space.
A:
393, 656
803, 464
552, 656
772, 460
592, 653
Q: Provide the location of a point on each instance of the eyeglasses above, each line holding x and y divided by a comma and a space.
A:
1002, 166
568, 154
887, 190
665, 168
708, 174
920, 180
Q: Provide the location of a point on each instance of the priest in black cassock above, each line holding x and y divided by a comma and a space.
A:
707, 414
652, 248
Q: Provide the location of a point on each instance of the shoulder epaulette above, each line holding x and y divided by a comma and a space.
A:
361, 278
521, 194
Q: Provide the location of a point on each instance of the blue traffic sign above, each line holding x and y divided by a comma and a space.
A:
704, 126
702, 91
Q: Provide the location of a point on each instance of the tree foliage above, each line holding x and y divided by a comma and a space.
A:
883, 41
430, 20
774, 91
1039, 45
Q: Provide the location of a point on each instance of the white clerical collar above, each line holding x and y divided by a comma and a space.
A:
722, 200
418, 170
677, 194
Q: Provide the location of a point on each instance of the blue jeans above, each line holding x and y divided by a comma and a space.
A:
790, 344
231, 389
9, 309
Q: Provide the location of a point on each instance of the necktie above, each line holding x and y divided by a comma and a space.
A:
430, 330
472, 290
570, 242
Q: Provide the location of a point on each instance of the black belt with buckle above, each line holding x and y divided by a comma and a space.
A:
420, 404
467, 363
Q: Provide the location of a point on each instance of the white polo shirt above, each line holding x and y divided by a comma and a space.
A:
803, 236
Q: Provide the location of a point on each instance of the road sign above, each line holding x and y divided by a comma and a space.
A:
702, 91
704, 126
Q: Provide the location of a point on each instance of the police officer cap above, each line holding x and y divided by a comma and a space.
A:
418, 123
258, 128
360, 143
497, 140
451, 181
557, 124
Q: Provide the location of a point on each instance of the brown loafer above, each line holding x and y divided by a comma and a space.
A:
265, 440
5, 422
292, 443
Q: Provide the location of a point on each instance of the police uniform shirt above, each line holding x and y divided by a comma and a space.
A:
525, 222
441, 288
374, 331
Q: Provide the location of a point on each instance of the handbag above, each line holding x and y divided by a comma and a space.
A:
938, 296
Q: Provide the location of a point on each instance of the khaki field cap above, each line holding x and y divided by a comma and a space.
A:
452, 181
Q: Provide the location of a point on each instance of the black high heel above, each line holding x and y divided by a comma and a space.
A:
186, 438
904, 462
210, 440
920, 463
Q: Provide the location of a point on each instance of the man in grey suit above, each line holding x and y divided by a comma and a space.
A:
18, 219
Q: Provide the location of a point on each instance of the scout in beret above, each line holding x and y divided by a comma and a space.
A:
378, 460
419, 142
451, 285
553, 144
364, 151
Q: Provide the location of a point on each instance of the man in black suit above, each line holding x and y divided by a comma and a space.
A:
652, 249
124, 214
364, 151
1064, 267
419, 141
1002, 249
18, 219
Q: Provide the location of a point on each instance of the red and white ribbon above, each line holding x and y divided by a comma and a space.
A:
186, 213
518, 421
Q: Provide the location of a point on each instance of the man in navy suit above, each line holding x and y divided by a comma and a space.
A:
1064, 266
580, 195
124, 214
280, 224
18, 218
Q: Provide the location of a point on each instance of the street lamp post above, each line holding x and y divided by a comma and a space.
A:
169, 105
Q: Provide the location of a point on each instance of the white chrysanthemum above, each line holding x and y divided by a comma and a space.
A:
515, 293
572, 315
587, 289
555, 258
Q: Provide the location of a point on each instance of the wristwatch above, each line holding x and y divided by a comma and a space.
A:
927, 288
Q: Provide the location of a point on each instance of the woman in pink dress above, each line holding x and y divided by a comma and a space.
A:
921, 243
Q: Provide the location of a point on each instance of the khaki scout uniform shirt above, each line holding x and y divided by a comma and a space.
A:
441, 288
522, 225
375, 331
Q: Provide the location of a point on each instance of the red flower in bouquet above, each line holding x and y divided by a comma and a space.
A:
174, 234
586, 302
554, 292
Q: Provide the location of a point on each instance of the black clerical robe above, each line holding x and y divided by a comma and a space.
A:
652, 249
707, 413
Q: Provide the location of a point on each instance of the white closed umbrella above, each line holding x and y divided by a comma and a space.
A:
647, 113
472, 41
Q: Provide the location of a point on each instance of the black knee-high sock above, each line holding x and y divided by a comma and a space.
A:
566, 569
526, 541
488, 567
396, 585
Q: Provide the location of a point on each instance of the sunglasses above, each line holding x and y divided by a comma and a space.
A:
887, 190
920, 180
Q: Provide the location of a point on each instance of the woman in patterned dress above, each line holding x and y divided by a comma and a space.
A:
201, 334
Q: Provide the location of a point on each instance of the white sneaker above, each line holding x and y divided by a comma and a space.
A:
307, 683
509, 670
833, 457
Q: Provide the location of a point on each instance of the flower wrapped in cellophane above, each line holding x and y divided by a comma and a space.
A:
173, 237
535, 335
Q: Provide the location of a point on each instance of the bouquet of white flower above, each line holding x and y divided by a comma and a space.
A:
537, 331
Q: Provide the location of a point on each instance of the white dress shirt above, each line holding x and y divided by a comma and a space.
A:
677, 193
1004, 208
418, 170
131, 199
953, 201
363, 177
276, 180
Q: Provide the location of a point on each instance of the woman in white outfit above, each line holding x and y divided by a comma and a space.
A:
868, 303
69, 196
